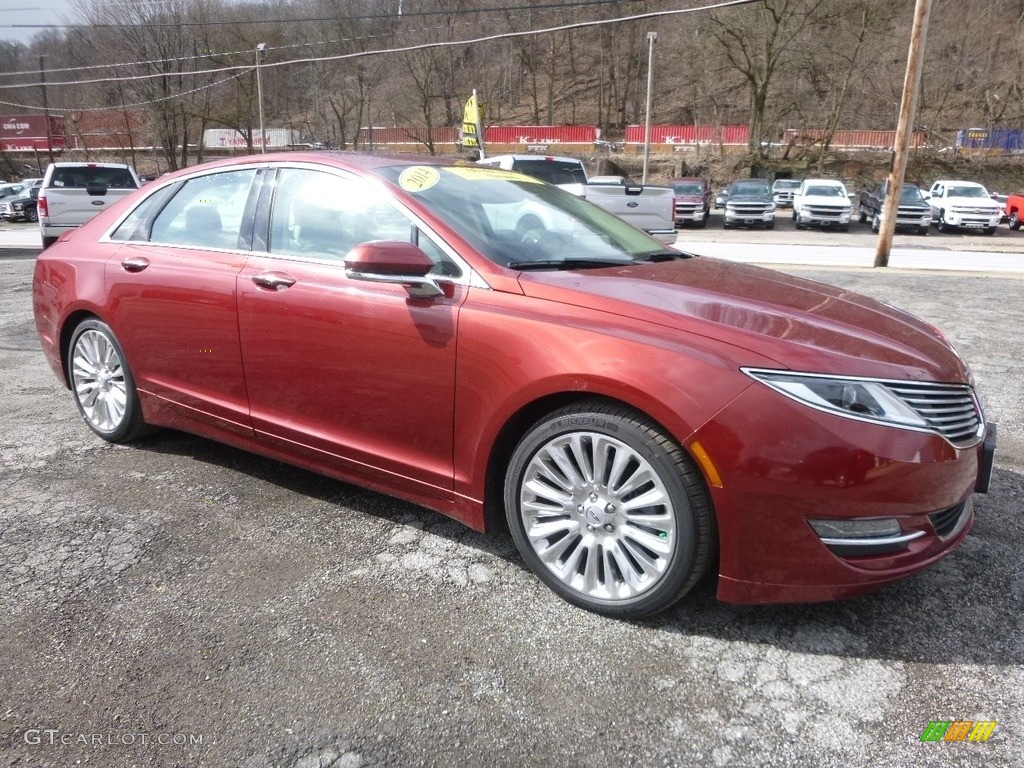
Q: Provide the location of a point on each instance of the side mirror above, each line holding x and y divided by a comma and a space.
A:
393, 261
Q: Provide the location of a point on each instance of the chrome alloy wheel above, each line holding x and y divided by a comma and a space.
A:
98, 381
598, 516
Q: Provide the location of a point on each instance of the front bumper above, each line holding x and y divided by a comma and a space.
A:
956, 218
803, 466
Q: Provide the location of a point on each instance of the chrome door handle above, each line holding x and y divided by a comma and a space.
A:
134, 263
275, 281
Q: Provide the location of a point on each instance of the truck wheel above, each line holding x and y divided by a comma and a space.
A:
703, 222
48, 241
862, 214
770, 225
32, 215
943, 226
1015, 221
876, 223
990, 230
923, 231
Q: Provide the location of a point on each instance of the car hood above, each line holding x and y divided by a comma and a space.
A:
975, 202
825, 200
799, 324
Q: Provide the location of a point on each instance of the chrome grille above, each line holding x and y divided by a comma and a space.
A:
947, 521
950, 409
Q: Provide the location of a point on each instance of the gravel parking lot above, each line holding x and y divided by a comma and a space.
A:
180, 603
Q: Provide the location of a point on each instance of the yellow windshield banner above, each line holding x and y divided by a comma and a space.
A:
483, 172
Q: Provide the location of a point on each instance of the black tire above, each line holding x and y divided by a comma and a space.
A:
591, 539
1014, 222
862, 214
943, 226
770, 225
876, 223
990, 230
800, 224
48, 241
726, 225
844, 228
923, 231
703, 223
32, 214
100, 380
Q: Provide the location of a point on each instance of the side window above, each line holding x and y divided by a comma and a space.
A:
323, 216
135, 226
206, 212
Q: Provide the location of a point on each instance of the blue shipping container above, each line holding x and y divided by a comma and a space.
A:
1002, 139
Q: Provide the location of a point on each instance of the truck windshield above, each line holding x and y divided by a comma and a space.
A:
687, 188
552, 171
967, 192
750, 188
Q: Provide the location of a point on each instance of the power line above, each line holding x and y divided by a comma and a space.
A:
409, 48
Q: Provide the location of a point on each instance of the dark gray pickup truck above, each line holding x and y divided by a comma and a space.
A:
913, 213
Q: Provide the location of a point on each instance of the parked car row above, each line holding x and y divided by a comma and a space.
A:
950, 204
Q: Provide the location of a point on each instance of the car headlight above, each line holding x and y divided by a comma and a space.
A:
861, 399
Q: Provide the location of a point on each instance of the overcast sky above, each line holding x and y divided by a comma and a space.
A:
17, 17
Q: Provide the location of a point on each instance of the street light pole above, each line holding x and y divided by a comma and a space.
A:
261, 50
651, 37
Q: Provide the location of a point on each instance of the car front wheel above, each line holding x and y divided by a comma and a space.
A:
102, 384
32, 215
608, 511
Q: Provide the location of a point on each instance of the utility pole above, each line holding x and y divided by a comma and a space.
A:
46, 108
261, 51
904, 131
651, 37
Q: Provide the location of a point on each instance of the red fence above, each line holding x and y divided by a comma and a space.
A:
494, 134
860, 139
689, 134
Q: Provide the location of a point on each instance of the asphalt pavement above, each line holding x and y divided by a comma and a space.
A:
179, 603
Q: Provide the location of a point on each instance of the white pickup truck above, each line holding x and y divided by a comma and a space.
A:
72, 193
651, 209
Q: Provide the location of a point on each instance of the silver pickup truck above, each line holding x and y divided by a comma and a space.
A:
72, 193
651, 209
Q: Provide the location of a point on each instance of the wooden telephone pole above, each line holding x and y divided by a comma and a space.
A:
904, 131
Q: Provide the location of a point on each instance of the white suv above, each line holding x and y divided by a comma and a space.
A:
822, 203
963, 204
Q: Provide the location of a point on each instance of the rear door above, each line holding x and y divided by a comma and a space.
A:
171, 290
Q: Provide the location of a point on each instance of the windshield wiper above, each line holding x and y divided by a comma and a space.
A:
568, 264
664, 256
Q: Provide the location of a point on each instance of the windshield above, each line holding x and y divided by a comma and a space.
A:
511, 218
787, 184
911, 194
750, 188
687, 188
967, 192
824, 191
552, 171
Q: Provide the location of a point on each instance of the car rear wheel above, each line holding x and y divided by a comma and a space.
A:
102, 384
32, 215
608, 511
1014, 222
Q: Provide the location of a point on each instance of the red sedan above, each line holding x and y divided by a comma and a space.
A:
498, 350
